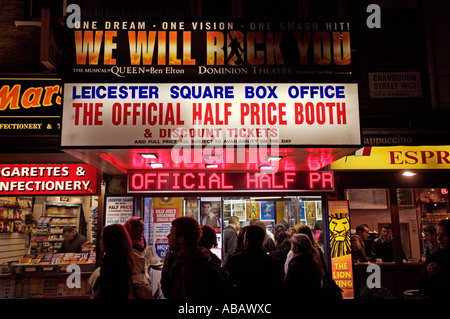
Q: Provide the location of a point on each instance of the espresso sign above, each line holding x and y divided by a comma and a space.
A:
227, 182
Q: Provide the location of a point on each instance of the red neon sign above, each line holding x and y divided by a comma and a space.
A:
151, 181
51, 179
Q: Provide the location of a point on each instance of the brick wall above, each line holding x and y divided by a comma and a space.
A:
19, 45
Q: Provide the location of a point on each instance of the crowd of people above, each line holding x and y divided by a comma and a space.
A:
257, 263
435, 280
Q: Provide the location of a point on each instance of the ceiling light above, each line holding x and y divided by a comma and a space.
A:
211, 165
408, 173
148, 155
274, 158
156, 165
212, 156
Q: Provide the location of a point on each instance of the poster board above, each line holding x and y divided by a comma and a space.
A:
371, 198
118, 209
340, 246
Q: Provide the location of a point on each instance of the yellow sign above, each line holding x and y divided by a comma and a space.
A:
340, 246
398, 157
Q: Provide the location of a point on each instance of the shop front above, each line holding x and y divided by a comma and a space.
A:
37, 203
294, 197
405, 187
211, 123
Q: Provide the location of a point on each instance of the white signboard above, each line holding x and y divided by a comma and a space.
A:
395, 85
118, 210
186, 114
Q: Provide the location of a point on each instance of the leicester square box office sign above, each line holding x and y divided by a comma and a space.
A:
124, 49
163, 114
48, 179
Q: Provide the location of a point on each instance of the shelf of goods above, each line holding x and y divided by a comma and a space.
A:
48, 234
434, 206
45, 275
14, 214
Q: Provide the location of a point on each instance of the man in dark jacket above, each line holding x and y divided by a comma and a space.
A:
382, 247
230, 238
73, 242
255, 274
435, 282
192, 275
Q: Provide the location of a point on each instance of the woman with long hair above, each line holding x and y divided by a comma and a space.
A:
303, 278
115, 280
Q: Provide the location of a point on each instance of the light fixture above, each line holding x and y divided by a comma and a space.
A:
212, 157
266, 167
409, 174
156, 165
211, 165
274, 158
148, 155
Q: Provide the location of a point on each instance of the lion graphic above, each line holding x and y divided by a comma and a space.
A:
340, 244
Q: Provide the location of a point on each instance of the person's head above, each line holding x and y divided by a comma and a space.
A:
442, 233
135, 228
135, 224
207, 208
304, 229
430, 233
117, 245
280, 236
254, 237
386, 232
209, 238
318, 225
290, 232
69, 233
234, 221
362, 231
301, 244
279, 227
185, 231
240, 238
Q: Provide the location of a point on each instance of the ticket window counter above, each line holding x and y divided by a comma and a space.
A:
158, 213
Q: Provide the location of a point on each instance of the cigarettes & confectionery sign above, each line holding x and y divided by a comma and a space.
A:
48, 179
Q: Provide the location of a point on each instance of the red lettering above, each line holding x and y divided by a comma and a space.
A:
287, 179
202, 181
77, 107
442, 156
185, 185
148, 181
134, 181
176, 184
426, 155
327, 178
323, 180
313, 179
411, 157
161, 180
395, 157
223, 183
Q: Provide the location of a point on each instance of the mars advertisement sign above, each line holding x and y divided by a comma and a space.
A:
245, 49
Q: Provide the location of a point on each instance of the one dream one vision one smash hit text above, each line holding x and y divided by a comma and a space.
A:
133, 48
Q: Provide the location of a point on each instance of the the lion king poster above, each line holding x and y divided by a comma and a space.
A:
340, 246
